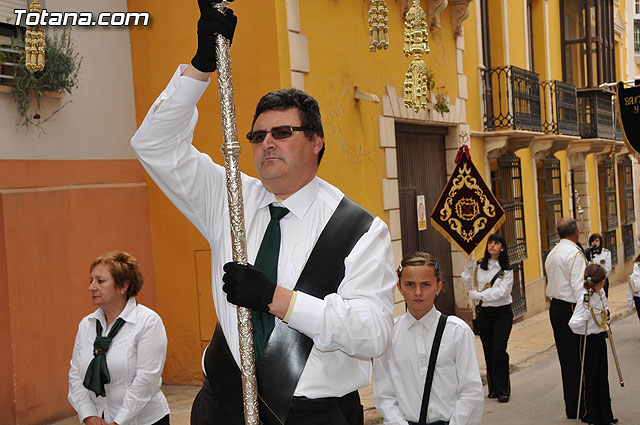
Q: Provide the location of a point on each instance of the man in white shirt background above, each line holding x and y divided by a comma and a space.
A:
565, 266
343, 327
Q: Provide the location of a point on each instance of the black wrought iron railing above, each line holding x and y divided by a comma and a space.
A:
627, 240
610, 243
511, 98
595, 114
560, 108
8, 60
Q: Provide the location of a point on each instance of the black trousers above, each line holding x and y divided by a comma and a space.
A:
163, 421
636, 300
495, 327
568, 347
596, 381
210, 409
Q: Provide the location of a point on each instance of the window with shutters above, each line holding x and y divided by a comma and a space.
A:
549, 201
608, 207
506, 184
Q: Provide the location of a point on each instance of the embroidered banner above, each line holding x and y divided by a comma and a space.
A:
629, 112
467, 211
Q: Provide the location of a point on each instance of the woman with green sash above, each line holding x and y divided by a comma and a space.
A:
119, 352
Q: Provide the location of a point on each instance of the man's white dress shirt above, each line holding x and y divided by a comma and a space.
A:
349, 327
499, 293
135, 360
400, 374
582, 315
565, 266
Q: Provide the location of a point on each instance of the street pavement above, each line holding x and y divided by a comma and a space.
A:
531, 343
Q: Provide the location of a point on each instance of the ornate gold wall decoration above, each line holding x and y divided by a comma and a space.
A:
417, 85
378, 25
34, 42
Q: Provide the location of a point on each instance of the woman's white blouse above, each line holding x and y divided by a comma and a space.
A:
135, 361
603, 259
582, 318
499, 293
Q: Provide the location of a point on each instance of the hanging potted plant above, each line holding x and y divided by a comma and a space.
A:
60, 76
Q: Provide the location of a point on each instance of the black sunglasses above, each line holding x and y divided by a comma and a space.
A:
278, 133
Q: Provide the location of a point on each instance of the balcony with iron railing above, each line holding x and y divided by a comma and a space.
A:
597, 114
560, 108
511, 99
8, 61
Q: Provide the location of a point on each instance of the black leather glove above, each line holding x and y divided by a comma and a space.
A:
247, 286
211, 22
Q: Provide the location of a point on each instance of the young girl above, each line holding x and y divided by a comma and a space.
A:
598, 254
400, 374
590, 318
492, 280
633, 291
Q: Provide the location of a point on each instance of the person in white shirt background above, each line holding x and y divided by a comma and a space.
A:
345, 328
564, 267
633, 290
596, 253
590, 318
119, 351
490, 281
399, 375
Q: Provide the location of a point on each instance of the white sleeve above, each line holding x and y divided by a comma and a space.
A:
384, 396
634, 279
467, 274
358, 319
189, 178
470, 404
151, 353
580, 318
501, 287
607, 262
79, 397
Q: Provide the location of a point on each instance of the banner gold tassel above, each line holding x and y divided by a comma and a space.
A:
378, 25
34, 42
416, 39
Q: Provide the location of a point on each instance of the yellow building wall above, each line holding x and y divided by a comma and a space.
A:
530, 201
340, 60
594, 204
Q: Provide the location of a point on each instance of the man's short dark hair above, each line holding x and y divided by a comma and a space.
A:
566, 227
306, 105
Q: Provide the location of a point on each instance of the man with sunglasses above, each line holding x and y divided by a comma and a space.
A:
324, 306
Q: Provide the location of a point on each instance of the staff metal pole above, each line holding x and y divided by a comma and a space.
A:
231, 151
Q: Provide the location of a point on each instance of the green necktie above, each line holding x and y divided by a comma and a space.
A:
97, 373
267, 263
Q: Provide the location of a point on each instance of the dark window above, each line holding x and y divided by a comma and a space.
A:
588, 54
625, 185
627, 240
506, 184
549, 201
608, 208
636, 36
607, 188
